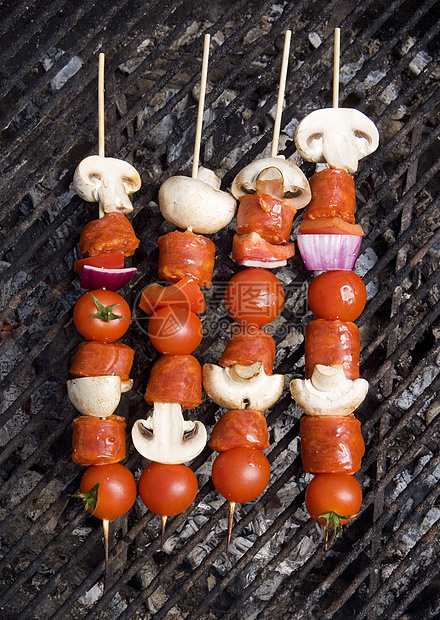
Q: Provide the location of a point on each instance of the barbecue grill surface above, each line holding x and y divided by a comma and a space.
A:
386, 563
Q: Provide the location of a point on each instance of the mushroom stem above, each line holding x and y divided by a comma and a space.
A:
230, 523
105, 530
162, 531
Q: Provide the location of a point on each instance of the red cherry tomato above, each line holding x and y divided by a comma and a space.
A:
333, 499
167, 490
116, 492
101, 315
337, 295
254, 297
175, 331
339, 493
241, 474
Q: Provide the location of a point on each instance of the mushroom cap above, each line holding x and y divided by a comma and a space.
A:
196, 204
339, 137
96, 177
241, 387
328, 392
295, 189
95, 396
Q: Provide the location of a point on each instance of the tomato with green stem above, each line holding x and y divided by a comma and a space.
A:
332, 500
254, 297
101, 315
108, 491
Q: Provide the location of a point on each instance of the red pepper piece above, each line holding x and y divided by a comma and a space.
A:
113, 260
185, 293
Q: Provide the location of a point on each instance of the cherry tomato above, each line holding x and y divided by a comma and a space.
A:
254, 297
167, 490
101, 315
116, 492
337, 295
241, 474
175, 331
333, 499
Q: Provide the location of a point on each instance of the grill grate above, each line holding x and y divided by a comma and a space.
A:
51, 564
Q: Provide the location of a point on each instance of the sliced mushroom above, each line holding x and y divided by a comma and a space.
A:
242, 387
108, 181
197, 204
328, 392
275, 176
165, 437
96, 396
338, 136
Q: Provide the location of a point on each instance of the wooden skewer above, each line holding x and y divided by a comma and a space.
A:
162, 531
105, 529
282, 87
230, 523
101, 124
336, 55
203, 81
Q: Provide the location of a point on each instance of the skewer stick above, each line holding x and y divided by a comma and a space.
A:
101, 143
336, 55
201, 106
282, 87
162, 531
105, 529
230, 523
101, 126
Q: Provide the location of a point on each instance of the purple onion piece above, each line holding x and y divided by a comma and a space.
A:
328, 252
111, 279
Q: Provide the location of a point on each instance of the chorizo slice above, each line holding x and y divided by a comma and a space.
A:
332, 342
95, 359
248, 345
333, 195
97, 441
267, 216
184, 254
240, 428
331, 444
110, 233
175, 379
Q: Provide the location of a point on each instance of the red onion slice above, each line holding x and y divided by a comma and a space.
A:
111, 279
327, 252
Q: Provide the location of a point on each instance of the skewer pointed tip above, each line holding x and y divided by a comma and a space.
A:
230, 523
162, 532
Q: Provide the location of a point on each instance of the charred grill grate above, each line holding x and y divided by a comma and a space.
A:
51, 562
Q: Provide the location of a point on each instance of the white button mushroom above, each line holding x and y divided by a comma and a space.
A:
165, 437
275, 176
338, 136
242, 387
108, 181
197, 204
328, 392
97, 396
